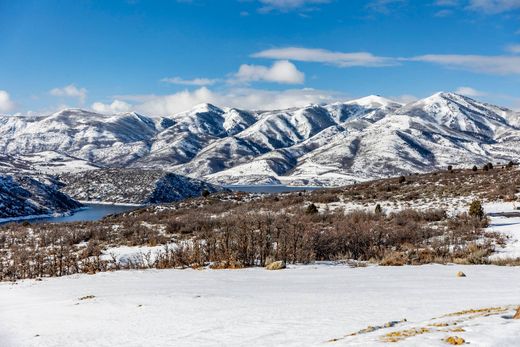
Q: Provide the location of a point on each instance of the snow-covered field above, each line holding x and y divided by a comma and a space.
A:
300, 306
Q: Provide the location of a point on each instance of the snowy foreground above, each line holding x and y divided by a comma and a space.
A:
299, 306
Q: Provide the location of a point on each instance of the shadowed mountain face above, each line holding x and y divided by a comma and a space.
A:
133, 186
330, 144
22, 195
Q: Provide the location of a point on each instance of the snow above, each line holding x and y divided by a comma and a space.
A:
508, 226
372, 101
303, 305
361, 139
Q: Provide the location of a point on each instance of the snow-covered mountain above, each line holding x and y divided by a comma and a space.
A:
332, 144
22, 195
134, 186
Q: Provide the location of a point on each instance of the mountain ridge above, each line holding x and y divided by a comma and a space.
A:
330, 144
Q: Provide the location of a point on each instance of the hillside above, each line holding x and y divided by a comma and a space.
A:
334, 144
132, 186
22, 195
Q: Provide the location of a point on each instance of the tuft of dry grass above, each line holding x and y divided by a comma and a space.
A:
455, 340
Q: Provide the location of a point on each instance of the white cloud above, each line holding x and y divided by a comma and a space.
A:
443, 13
256, 99
515, 49
447, 3
288, 5
193, 82
468, 91
246, 98
282, 71
70, 91
6, 104
493, 6
500, 65
405, 98
325, 56
115, 107
384, 6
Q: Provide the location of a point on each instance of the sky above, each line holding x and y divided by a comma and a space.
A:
165, 56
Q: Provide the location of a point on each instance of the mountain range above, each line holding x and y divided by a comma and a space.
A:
331, 144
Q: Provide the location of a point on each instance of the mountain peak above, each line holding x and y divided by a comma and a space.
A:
373, 101
206, 107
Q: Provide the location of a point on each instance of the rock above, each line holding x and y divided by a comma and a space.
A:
455, 340
517, 314
276, 265
87, 297
461, 274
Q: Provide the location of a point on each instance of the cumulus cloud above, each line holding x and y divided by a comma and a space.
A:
115, 107
282, 71
247, 98
288, 5
70, 91
468, 91
6, 104
500, 65
193, 82
318, 55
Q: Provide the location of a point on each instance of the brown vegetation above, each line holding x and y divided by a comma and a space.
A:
233, 230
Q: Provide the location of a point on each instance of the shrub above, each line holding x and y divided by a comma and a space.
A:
402, 179
474, 168
311, 209
476, 209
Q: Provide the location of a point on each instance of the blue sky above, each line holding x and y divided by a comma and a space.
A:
164, 56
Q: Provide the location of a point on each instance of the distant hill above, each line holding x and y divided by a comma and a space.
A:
134, 186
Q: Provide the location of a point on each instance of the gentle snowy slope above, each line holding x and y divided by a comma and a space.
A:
300, 306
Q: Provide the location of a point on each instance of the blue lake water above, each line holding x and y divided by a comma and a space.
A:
90, 212
93, 212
